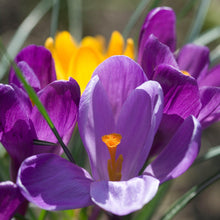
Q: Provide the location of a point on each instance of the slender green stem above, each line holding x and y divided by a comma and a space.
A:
54, 17
23, 32
43, 215
187, 197
134, 17
75, 18
37, 102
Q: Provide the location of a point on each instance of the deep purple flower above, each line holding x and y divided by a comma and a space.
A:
119, 114
189, 87
21, 123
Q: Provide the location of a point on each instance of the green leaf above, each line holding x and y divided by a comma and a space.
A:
43, 215
187, 197
33, 96
23, 32
199, 19
149, 209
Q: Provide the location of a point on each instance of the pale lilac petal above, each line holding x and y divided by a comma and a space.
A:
137, 123
95, 120
29, 75
194, 59
181, 93
210, 111
124, 197
10, 200
155, 53
212, 78
179, 154
119, 75
61, 99
53, 183
161, 23
40, 61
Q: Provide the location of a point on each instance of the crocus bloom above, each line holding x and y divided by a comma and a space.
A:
119, 114
21, 123
80, 60
189, 87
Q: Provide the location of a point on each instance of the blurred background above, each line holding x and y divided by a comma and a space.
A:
103, 17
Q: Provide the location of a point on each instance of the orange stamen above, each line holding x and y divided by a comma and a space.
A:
114, 166
185, 73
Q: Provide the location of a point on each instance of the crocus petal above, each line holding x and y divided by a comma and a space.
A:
54, 183
116, 44
61, 99
124, 197
16, 131
83, 64
181, 93
210, 111
179, 154
29, 75
40, 61
212, 78
119, 75
155, 53
10, 200
95, 120
194, 59
161, 23
137, 123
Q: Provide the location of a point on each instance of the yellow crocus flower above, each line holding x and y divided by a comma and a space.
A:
79, 61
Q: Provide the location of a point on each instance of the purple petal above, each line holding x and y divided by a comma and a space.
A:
179, 154
161, 23
40, 61
212, 78
137, 123
61, 99
29, 75
124, 197
95, 120
119, 75
155, 53
181, 94
10, 200
53, 183
210, 111
194, 59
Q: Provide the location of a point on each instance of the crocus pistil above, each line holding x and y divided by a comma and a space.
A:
114, 166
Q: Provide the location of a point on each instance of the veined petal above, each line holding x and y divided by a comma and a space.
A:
181, 93
124, 197
61, 99
40, 61
119, 75
154, 54
10, 199
83, 64
212, 78
95, 120
179, 154
210, 111
194, 59
116, 44
54, 183
161, 23
137, 123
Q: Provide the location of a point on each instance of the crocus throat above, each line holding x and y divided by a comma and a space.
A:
185, 73
114, 166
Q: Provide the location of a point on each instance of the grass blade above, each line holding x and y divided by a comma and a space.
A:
187, 197
54, 17
23, 32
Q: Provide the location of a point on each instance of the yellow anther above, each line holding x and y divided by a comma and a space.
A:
114, 166
185, 73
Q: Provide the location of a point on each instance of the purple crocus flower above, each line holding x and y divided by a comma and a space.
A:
21, 123
119, 114
189, 87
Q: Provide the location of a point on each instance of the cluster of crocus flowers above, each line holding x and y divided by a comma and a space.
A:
80, 60
21, 122
119, 114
